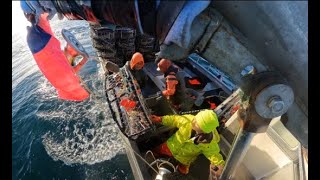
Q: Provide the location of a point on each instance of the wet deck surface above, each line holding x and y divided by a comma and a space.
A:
200, 168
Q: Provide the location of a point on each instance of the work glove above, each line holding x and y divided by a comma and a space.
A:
155, 119
183, 169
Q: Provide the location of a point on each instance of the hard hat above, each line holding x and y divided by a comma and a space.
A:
207, 120
164, 64
136, 58
26, 7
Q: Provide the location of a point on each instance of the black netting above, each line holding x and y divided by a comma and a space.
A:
119, 44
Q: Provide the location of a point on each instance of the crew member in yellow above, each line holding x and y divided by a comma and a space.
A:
195, 135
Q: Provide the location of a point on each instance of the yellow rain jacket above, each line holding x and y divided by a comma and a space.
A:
182, 147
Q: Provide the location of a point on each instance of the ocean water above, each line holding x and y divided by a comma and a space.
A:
57, 139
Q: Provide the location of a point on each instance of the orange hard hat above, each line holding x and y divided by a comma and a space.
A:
137, 58
164, 64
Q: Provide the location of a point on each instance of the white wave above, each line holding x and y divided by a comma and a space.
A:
85, 134
91, 146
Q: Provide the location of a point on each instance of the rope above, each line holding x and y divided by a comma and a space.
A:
169, 163
151, 154
162, 161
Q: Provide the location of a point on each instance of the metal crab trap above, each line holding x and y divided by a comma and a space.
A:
126, 104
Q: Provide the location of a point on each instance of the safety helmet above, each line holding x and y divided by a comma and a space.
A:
26, 7
137, 58
164, 64
207, 120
